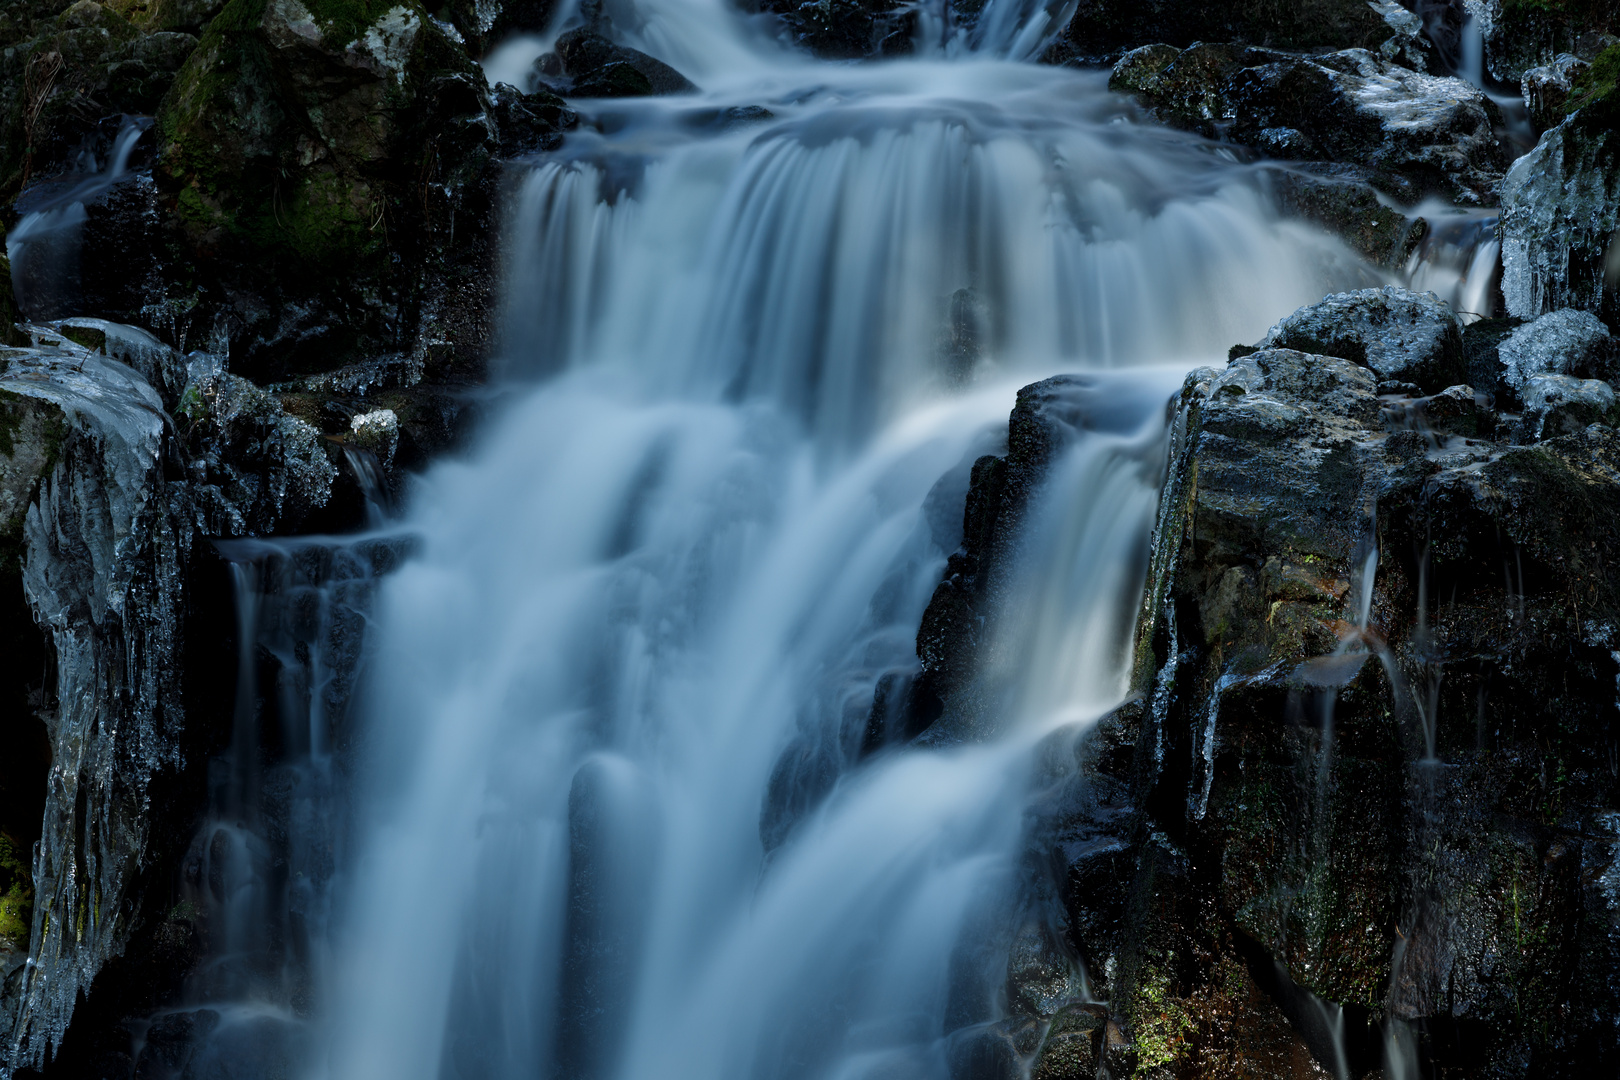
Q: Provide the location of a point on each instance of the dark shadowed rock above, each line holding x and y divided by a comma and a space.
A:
1345, 200
1347, 106
600, 68
1522, 34
1564, 405
1104, 28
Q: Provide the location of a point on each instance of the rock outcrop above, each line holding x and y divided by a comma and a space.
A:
1408, 339
1561, 207
1358, 811
1348, 106
1103, 29
103, 553
1519, 35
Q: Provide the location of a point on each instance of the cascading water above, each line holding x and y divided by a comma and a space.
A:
751, 366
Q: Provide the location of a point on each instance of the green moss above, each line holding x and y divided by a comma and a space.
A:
16, 895
341, 21
1161, 1024
92, 339
1593, 91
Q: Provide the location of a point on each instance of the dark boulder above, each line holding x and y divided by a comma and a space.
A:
1519, 35
600, 68
1404, 337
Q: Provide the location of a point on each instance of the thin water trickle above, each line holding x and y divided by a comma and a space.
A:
44, 247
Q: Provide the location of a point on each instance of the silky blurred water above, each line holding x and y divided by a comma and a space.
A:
749, 361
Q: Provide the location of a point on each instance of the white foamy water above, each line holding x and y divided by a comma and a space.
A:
701, 530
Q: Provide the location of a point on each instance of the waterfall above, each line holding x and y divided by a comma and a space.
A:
747, 368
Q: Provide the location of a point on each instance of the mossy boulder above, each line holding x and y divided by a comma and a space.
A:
317, 158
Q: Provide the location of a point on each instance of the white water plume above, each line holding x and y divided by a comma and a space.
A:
714, 522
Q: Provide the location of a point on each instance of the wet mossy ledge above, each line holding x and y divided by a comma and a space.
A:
1360, 815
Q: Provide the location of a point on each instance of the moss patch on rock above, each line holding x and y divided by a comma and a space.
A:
16, 895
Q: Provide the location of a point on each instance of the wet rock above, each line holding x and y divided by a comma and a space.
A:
1070, 1049
1401, 335
1563, 405
1298, 775
256, 468
318, 161
600, 68
1522, 34
104, 552
960, 620
377, 433
1565, 342
1102, 29
848, 29
1561, 208
1547, 90
1457, 410
1347, 106
529, 123
1345, 200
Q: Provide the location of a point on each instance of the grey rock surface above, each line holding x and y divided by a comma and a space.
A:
105, 541
1563, 342
1560, 210
1348, 106
1403, 336
1557, 405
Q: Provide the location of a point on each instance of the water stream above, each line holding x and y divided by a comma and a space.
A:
747, 368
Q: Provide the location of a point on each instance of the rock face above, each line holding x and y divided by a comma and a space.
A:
1102, 29
1357, 811
103, 555
1561, 207
1519, 35
1347, 106
104, 502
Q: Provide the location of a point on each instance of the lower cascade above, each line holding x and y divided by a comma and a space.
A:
648, 540
630, 810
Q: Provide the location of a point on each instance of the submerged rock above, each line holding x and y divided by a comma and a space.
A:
1403, 336
1347, 106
